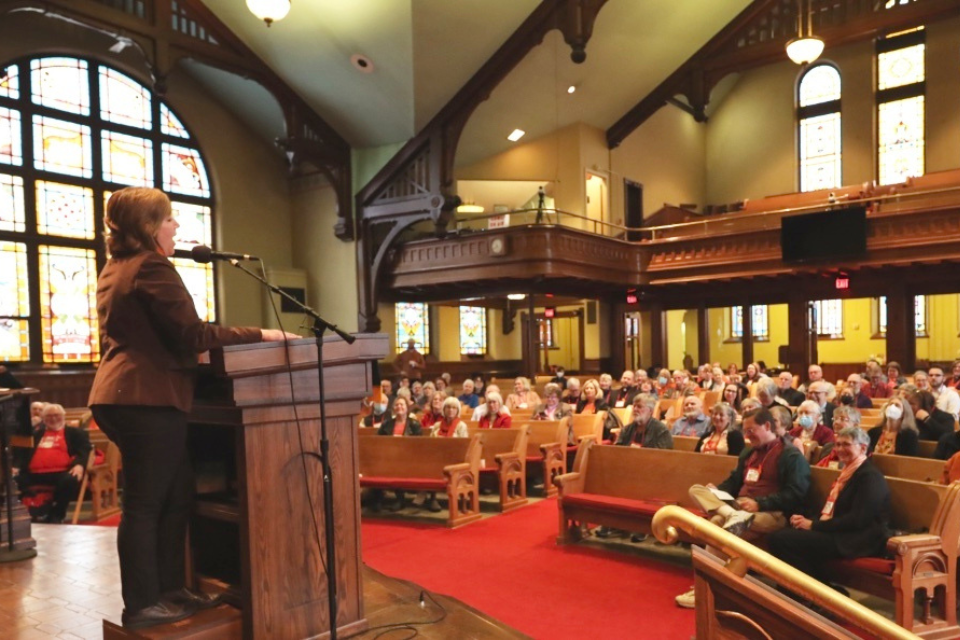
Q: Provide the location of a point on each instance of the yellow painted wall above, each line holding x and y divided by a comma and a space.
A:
857, 344
676, 341
504, 347
725, 351
943, 317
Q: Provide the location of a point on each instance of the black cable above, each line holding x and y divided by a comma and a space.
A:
410, 625
296, 419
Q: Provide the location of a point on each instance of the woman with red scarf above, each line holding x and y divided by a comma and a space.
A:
852, 523
495, 417
450, 425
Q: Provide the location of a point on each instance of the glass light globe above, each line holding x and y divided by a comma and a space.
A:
804, 50
269, 10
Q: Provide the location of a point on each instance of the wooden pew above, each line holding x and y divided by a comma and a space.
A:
909, 467
368, 431
622, 487
504, 452
450, 465
685, 443
925, 562
926, 448
582, 427
546, 446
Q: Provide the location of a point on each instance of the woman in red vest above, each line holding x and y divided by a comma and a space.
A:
58, 460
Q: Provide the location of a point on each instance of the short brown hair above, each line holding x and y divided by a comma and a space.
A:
133, 217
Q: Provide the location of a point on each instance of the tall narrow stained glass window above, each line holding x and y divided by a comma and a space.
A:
829, 317
413, 323
87, 130
473, 331
919, 316
818, 115
760, 325
901, 89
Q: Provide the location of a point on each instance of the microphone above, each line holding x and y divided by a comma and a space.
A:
204, 254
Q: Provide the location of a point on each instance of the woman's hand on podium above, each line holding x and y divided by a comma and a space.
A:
276, 335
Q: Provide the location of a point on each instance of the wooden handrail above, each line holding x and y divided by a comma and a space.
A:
546, 211
744, 556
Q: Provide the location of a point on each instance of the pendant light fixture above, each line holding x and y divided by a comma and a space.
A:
804, 49
269, 10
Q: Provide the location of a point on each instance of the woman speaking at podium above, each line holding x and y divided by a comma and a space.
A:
150, 335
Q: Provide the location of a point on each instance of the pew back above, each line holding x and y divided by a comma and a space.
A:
909, 467
544, 432
685, 443
585, 426
416, 457
496, 441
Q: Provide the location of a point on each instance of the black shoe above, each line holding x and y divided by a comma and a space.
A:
433, 506
196, 599
638, 537
160, 613
603, 532
396, 506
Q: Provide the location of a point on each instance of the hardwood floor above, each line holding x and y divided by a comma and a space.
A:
74, 583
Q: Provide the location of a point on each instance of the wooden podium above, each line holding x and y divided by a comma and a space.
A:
256, 529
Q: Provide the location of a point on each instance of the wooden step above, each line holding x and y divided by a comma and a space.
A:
220, 623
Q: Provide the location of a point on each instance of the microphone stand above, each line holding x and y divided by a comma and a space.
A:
320, 326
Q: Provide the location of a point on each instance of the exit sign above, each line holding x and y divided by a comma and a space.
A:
842, 282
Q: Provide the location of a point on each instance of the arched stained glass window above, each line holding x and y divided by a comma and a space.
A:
759, 326
73, 131
818, 117
413, 323
900, 106
473, 331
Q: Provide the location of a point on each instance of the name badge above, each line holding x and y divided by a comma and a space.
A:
828, 508
752, 475
620, 403
523, 405
833, 464
636, 445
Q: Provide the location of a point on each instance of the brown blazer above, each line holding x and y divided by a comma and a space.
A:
151, 334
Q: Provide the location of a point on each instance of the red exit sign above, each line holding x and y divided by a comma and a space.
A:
842, 282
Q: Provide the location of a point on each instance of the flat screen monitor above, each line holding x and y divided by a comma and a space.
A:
838, 234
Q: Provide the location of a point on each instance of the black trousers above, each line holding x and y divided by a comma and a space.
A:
157, 496
804, 550
65, 488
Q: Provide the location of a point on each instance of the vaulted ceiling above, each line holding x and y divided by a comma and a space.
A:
423, 51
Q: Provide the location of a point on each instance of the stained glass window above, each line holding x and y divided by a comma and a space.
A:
11, 203
760, 326
123, 100
183, 171
919, 315
112, 123
65, 210
63, 147
473, 331
818, 114
68, 313
10, 83
901, 87
546, 333
14, 302
127, 159
829, 317
413, 323
61, 83
11, 145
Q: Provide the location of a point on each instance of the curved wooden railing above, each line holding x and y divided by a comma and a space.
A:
745, 556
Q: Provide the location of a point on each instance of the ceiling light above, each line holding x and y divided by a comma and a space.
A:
571, 88
269, 10
516, 296
361, 63
470, 207
516, 135
804, 49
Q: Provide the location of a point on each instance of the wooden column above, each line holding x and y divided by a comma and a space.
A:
618, 338
799, 356
747, 341
703, 336
901, 329
658, 336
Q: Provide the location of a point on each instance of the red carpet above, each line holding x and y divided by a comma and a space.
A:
510, 567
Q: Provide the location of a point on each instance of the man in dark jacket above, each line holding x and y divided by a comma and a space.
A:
644, 430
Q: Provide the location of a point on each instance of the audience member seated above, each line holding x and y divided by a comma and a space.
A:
819, 392
751, 375
670, 412
590, 400
572, 395
59, 459
897, 431
954, 381
479, 385
434, 412
376, 418
767, 393
644, 430
623, 397
932, 422
810, 427
450, 425
707, 380
853, 521
815, 374
559, 378
843, 418
428, 389
551, 408
406, 394
733, 395
606, 387
646, 386
895, 375
36, 415
663, 383
768, 486
468, 398
782, 422
481, 410
640, 376
876, 385
440, 384
922, 381
401, 423
692, 422
522, 397
722, 438
786, 391
947, 398
496, 416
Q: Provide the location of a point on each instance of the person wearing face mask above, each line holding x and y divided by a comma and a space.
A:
376, 418
809, 427
897, 432
692, 422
